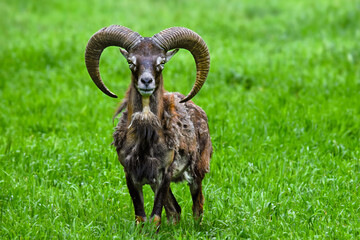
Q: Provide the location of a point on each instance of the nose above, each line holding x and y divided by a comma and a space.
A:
146, 81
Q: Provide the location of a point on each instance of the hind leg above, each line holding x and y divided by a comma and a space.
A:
172, 208
198, 199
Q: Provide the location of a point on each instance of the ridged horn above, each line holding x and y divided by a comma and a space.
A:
113, 35
180, 37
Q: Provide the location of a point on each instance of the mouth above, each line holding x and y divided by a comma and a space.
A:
146, 92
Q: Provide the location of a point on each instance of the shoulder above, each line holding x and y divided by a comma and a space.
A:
172, 105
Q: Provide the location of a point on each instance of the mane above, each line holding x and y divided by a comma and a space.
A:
143, 158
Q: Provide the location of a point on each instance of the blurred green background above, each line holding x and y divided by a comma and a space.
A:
282, 99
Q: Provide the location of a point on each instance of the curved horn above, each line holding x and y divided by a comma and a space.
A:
180, 37
113, 35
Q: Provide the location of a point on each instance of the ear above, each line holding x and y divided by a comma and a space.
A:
170, 54
124, 53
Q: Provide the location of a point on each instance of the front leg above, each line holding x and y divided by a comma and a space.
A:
137, 199
161, 192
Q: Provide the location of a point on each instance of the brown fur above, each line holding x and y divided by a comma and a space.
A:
161, 142
184, 129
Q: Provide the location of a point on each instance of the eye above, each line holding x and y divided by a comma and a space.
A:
132, 65
160, 66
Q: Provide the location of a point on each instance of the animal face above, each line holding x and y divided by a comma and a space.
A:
146, 62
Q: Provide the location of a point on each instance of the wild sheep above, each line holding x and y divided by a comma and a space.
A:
161, 137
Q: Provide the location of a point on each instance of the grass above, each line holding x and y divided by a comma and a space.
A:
282, 99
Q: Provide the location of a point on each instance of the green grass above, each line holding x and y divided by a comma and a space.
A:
282, 99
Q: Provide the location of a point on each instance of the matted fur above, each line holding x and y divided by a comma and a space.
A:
183, 128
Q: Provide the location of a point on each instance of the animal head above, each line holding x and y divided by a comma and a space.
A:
147, 56
146, 62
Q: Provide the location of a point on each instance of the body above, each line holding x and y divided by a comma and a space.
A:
174, 147
160, 137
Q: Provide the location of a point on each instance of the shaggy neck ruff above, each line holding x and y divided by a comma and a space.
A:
135, 99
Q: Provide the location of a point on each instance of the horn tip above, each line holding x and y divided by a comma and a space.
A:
110, 94
185, 99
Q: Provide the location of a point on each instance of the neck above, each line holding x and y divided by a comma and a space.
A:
138, 103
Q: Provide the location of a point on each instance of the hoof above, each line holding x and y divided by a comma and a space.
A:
174, 219
139, 219
198, 219
157, 220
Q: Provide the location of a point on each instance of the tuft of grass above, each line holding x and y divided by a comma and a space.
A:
281, 97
